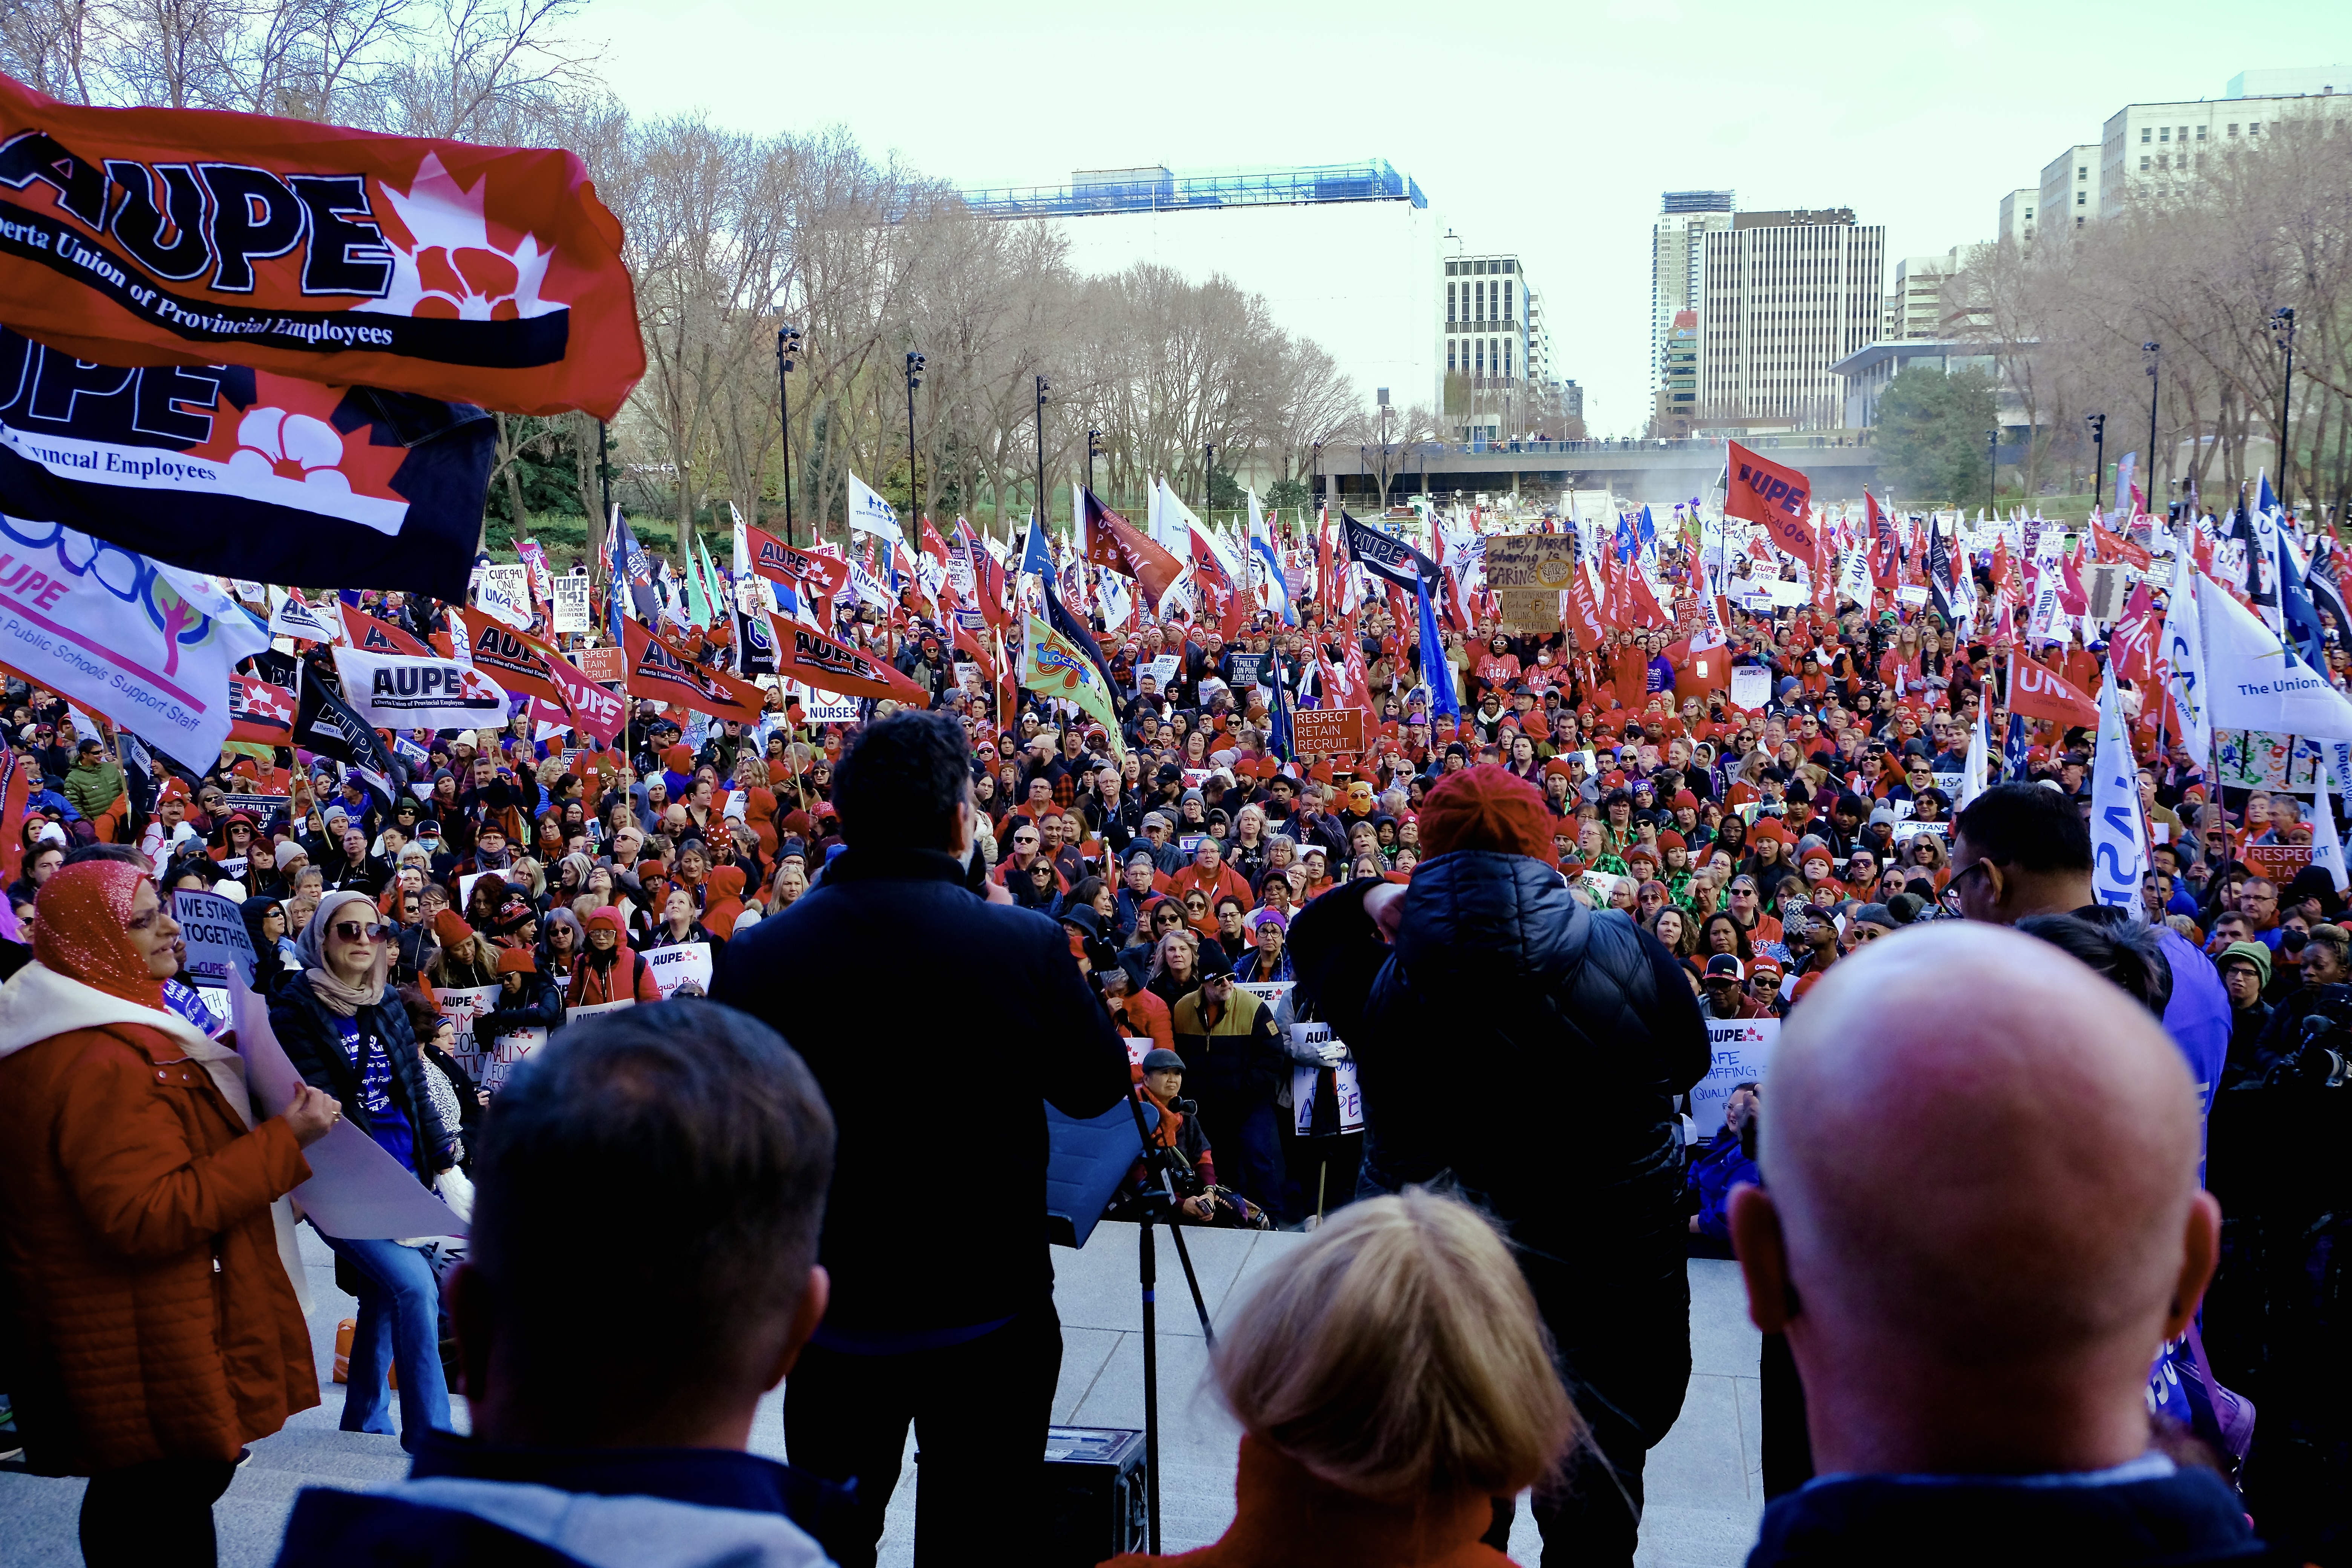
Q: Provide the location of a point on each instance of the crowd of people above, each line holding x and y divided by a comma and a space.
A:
1512, 915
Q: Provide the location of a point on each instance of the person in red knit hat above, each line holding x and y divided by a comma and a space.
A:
1485, 972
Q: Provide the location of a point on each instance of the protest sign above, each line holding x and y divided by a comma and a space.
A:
1911, 593
1528, 572
2276, 863
1950, 782
1599, 885
1270, 991
503, 1055
1162, 670
571, 599
824, 708
1137, 1049
504, 595
460, 1005
590, 1009
262, 807
1751, 686
217, 937
687, 963
601, 664
1326, 730
1740, 1049
1910, 828
1302, 1081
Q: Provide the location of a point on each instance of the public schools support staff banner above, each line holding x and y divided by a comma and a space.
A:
147, 645
147, 236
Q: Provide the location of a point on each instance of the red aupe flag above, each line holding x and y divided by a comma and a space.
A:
801, 571
155, 237
2039, 692
659, 672
1780, 499
808, 656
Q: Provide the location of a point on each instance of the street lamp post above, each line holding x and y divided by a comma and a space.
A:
2283, 331
2098, 423
788, 348
1094, 450
914, 495
1208, 482
2155, 352
1993, 470
1042, 387
1315, 481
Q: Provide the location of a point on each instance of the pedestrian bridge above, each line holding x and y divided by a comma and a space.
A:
1654, 471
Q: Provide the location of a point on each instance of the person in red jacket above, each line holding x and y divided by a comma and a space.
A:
1211, 876
608, 971
145, 1236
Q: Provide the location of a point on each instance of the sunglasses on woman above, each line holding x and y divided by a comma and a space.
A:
353, 930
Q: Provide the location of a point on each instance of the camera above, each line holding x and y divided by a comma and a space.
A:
2315, 1062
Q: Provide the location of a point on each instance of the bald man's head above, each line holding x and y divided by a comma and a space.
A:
1982, 1160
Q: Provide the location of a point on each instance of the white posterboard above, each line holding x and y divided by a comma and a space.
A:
460, 1005
504, 595
1137, 1049
1907, 830
674, 966
1738, 1050
1270, 991
572, 603
507, 1052
1751, 685
216, 936
1303, 1080
590, 1009
1911, 593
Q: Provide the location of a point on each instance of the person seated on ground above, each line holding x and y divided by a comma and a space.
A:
1392, 1379
1980, 1227
698, 1133
1729, 1160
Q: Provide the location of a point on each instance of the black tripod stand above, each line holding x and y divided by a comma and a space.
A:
1159, 1206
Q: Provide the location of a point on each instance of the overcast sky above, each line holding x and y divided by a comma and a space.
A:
1550, 130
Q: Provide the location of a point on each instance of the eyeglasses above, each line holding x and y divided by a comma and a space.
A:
353, 930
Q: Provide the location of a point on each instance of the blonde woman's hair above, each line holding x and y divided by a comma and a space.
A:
1399, 1353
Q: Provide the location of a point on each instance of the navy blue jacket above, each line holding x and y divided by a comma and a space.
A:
886, 970
2181, 1519
466, 1504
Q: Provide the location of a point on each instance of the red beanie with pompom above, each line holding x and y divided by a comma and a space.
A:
1487, 807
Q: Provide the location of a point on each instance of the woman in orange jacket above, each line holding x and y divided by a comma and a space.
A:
144, 1235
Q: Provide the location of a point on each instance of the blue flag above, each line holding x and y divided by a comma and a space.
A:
1037, 555
2013, 751
1278, 734
2296, 606
1435, 671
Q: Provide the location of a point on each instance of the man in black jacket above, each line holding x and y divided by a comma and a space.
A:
1527, 1050
939, 1316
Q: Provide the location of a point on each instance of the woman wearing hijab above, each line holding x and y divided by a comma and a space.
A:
144, 1233
346, 1032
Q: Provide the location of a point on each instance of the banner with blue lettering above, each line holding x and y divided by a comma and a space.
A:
227, 469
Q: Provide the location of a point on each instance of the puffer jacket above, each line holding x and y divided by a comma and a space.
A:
155, 1314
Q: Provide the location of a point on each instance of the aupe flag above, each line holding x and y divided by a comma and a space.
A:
1778, 497
152, 237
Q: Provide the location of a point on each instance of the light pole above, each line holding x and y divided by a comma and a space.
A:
1094, 450
2283, 331
1314, 480
1042, 387
2098, 423
2155, 352
1208, 482
788, 348
1993, 470
914, 495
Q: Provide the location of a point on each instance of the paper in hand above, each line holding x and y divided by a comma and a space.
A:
356, 1191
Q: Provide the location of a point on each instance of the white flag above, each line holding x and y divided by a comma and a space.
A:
2184, 659
2327, 847
2118, 837
1974, 772
291, 617
2254, 682
869, 513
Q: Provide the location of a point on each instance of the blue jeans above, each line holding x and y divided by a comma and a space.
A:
399, 1324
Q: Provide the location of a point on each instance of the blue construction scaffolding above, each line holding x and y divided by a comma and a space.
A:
1158, 190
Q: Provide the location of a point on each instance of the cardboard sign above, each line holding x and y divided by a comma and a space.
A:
1528, 572
824, 708
1303, 1084
1161, 670
1951, 782
1911, 828
675, 966
262, 807
1911, 593
1327, 731
1751, 686
570, 603
1740, 1049
2275, 862
1137, 1049
1270, 991
589, 1010
217, 939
